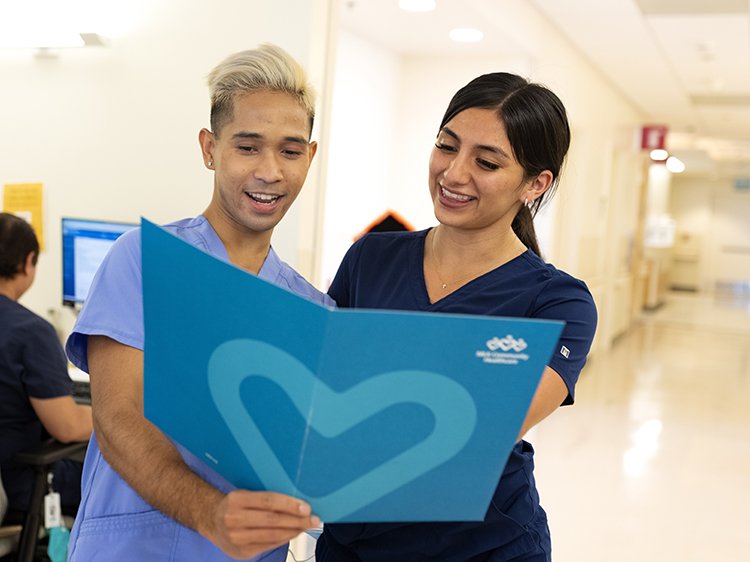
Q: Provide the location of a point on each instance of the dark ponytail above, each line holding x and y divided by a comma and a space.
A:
537, 127
523, 226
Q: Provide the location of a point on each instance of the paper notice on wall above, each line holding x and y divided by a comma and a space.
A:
25, 201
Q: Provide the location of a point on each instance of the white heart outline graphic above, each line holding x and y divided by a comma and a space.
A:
451, 404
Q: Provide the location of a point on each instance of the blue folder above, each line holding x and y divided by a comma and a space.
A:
369, 415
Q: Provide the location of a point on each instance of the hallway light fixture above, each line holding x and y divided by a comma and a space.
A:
49, 40
659, 154
466, 35
675, 165
26, 40
54, 24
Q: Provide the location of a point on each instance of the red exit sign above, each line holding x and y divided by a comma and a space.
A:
653, 137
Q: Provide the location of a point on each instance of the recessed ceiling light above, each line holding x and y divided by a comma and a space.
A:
466, 35
659, 154
675, 165
417, 5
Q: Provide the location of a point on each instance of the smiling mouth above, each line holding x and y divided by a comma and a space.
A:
263, 198
459, 198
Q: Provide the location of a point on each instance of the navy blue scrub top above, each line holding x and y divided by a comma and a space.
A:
385, 270
32, 364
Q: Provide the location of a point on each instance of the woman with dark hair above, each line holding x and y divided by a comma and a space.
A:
498, 154
36, 399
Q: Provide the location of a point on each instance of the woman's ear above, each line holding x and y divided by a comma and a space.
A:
28, 264
537, 186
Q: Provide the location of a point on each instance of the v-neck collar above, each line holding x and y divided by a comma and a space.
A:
419, 285
269, 271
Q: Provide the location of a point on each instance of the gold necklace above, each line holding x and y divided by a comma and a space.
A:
436, 269
471, 276
443, 284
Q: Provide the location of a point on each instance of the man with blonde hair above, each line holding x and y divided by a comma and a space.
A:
144, 497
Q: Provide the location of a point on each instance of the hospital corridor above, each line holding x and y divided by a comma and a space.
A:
652, 462
404, 173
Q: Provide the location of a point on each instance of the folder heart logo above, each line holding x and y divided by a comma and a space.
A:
331, 413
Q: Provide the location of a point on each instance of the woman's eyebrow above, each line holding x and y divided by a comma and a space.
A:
495, 149
450, 133
490, 148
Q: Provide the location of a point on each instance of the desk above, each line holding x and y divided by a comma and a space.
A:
77, 375
81, 385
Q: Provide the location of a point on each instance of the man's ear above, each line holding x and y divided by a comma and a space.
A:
313, 147
208, 143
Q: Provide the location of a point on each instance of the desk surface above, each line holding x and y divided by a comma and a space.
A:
77, 375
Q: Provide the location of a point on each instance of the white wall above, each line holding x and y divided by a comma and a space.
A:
660, 183
714, 217
362, 129
384, 119
601, 180
111, 131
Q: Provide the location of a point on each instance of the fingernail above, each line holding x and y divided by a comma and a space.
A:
315, 521
304, 509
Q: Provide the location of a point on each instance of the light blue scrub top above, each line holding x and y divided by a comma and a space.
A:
114, 523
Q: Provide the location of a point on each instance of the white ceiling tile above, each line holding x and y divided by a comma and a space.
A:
668, 63
413, 33
709, 53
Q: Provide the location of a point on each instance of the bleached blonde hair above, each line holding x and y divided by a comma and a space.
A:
268, 68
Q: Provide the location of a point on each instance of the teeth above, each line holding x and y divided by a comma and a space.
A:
455, 196
263, 197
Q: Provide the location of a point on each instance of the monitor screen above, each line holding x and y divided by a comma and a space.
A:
84, 245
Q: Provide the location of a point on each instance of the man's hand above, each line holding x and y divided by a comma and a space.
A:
241, 523
248, 523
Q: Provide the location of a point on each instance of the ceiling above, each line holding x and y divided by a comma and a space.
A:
682, 63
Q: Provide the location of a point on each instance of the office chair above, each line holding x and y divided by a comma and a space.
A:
41, 459
8, 533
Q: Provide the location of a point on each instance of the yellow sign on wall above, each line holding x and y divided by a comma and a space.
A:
25, 200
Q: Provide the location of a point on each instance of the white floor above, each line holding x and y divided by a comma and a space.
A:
652, 463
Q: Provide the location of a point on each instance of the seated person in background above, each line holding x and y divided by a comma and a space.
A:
36, 399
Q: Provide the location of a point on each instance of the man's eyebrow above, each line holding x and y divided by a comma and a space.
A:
300, 140
258, 136
496, 149
247, 135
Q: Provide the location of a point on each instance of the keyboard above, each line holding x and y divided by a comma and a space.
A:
82, 392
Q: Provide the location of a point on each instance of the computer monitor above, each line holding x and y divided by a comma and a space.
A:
84, 245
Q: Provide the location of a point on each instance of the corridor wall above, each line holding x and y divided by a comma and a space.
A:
590, 227
112, 131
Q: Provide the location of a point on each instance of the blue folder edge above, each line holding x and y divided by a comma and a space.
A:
369, 415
